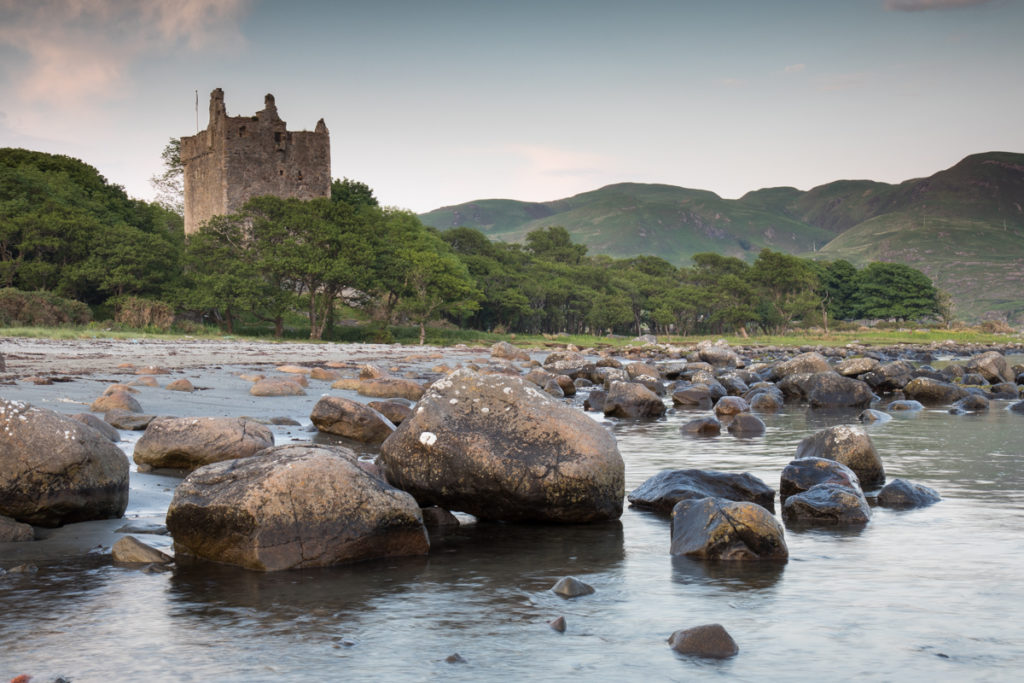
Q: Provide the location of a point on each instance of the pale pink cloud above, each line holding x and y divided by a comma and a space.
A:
80, 50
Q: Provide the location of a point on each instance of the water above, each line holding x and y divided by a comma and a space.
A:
929, 594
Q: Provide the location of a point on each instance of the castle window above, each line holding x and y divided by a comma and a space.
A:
277, 137
281, 172
300, 175
241, 131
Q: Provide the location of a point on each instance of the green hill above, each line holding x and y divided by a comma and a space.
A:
964, 226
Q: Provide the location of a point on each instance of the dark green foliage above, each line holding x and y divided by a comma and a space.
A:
893, 290
42, 309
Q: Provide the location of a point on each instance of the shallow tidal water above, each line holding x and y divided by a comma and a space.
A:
930, 594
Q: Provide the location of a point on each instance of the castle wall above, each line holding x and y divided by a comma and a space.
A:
240, 157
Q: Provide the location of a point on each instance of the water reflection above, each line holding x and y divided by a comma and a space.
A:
732, 576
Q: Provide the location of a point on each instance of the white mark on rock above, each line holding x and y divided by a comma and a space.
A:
428, 438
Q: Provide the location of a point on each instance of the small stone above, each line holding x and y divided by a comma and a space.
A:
558, 624
455, 658
130, 550
571, 587
709, 640
436, 517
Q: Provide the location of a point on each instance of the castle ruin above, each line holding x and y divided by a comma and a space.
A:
240, 157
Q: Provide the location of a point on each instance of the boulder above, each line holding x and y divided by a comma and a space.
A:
827, 504
351, 419
293, 507
731, 405
103, 427
55, 470
933, 392
130, 550
594, 402
277, 387
116, 400
567, 384
1004, 390
702, 426
889, 377
124, 419
497, 448
392, 410
803, 364
734, 384
806, 473
972, 403
391, 388
832, 390
438, 518
12, 531
718, 354
640, 369
695, 396
992, 366
565, 362
851, 367
505, 350
715, 529
902, 494
796, 386
180, 385
632, 400
746, 425
849, 445
710, 640
765, 402
191, 442
662, 491
552, 388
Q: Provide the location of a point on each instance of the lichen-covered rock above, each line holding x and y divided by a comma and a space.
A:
391, 388
851, 367
715, 529
351, 419
903, 494
498, 448
505, 350
702, 426
632, 400
191, 442
746, 425
832, 390
710, 640
933, 392
806, 473
849, 445
293, 507
827, 505
662, 491
805, 363
55, 470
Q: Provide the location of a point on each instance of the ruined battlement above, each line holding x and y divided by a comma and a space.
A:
240, 157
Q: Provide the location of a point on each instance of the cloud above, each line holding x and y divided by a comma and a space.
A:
77, 50
922, 5
795, 68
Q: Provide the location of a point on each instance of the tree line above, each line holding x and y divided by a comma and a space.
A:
64, 229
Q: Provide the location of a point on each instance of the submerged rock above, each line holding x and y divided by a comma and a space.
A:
904, 406
500, 449
746, 425
702, 426
832, 390
571, 587
56, 470
715, 529
827, 504
709, 640
806, 473
903, 494
662, 491
731, 405
292, 507
971, 403
870, 416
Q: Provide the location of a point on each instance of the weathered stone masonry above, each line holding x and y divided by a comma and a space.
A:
240, 157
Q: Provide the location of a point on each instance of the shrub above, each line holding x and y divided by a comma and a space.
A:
137, 312
40, 309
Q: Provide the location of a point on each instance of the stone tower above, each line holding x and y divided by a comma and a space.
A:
240, 157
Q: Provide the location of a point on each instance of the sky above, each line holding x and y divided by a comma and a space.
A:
439, 102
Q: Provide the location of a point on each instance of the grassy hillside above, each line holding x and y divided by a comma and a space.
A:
963, 226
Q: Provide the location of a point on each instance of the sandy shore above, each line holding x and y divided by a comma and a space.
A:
25, 357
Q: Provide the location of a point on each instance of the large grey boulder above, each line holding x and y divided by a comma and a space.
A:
889, 377
849, 445
992, 366
191, 442
903, 494
851, 367
293, 507
716, 529
498, 448
351, 419
718, 354
802, 364
832, 390
662, 491
507, 351
55, 470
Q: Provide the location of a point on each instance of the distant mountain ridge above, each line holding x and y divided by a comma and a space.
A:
963, 226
